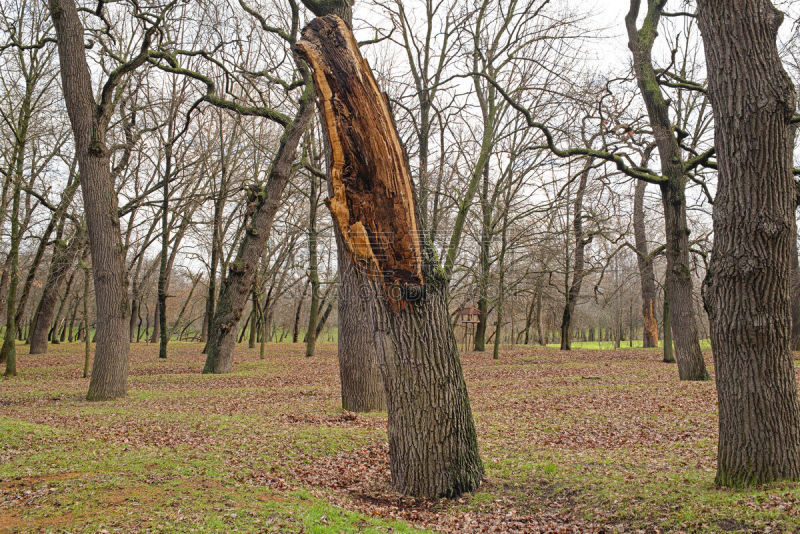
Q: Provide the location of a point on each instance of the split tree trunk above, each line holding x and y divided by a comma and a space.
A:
747, 287
110, 369
359, 361
432, 440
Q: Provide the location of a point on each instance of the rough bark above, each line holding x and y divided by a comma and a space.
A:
647, 274
795, 292
8, 350
359, 362
747, 287
263, 203
89, 123
432, 440
691, 365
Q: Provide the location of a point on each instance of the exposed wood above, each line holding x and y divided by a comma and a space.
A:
372, 198
432, 440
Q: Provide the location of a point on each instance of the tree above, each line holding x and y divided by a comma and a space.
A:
747, 287
432, 440
579, 269
647, 275
90, 122
263, 203
691, 365
31, 63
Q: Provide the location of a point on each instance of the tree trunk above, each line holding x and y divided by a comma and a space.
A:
691, 365
8, 350
795, 291
540, 333
669, 354
484, 262
70, 338
53, 335
747, 287
526, 331
359, 361
296, 329
89, 122
647, 275
432, 440
161, 305
64, 257
578, 270
156, 334
313, 272
501, 285
4, 292
263, 203
323, 319
254, 322
86, 344
134, 315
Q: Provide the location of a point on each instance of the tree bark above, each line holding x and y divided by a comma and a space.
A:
63, 305
359, 362
795, 291
747, 287
432, 440
691, 365
89, 123
647, 274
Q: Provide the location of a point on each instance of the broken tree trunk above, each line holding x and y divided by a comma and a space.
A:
432, 440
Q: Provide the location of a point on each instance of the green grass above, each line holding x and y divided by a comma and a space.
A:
705, 344
590, 438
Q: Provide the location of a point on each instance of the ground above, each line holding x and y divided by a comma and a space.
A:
584, 441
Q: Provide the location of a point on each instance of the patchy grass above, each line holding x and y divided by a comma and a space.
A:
705, 344
585, 441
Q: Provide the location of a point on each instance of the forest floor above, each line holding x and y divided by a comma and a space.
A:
590, 441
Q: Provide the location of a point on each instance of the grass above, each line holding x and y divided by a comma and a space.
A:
589, 440
705, 344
